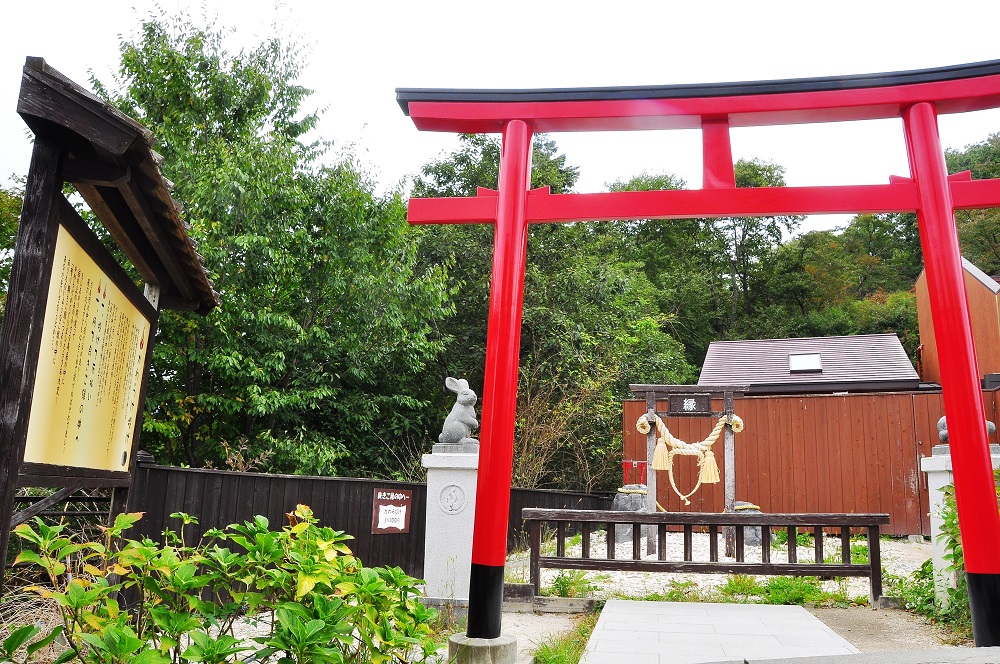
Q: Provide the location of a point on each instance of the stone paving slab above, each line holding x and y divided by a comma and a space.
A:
944, 655
642, 632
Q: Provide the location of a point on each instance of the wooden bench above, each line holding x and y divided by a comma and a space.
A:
712, 523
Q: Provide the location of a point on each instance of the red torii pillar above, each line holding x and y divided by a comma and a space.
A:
975, 495
915, 96
503, 352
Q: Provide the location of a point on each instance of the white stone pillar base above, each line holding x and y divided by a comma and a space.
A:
939, 475
452, 471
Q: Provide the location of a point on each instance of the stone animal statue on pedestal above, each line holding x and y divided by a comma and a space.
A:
942, 427
461, 421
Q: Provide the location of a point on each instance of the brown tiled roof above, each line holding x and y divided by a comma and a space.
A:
867, 362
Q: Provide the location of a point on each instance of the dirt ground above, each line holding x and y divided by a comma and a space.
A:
879, 630
871, 630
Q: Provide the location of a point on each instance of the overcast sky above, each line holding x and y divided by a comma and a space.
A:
359, 52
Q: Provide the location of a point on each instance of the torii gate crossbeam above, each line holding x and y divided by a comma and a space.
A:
916, 97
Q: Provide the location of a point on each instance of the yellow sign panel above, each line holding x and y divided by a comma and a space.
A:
90, 366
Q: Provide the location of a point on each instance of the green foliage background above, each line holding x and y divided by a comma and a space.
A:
326, 317
339, 321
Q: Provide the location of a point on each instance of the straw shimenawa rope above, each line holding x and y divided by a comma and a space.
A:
663, 456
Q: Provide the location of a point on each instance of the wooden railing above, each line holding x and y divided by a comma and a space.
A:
45, 506
713, 524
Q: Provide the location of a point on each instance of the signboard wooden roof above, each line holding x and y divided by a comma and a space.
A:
114, 168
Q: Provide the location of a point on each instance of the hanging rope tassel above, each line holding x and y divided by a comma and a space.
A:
667, 447
709, 469
661, 455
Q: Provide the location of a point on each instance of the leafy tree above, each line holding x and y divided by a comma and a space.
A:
591, 327
10, 213
880, 313
979, 230
982, 159
476, 163
749, 242
325, 317
884, 250
467, 249
811, 272
683, 261
590, 323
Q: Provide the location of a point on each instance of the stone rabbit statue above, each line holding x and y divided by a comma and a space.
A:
942, 427
461, 420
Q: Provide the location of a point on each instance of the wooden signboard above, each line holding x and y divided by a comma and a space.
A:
689, 405
391, 511
95, 342
75, 345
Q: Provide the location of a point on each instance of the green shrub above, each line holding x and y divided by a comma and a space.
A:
917, 589
572, 583
677, 591
859, 554
324, 606
24, 638
741, 585
779, 538
792, 590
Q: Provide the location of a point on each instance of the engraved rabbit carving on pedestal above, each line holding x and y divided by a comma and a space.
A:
461, 421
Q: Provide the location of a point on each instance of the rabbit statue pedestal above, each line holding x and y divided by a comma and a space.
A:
452, 469
939, 475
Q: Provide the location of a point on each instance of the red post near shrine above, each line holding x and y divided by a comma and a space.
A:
915, 96
963, 400
503, 350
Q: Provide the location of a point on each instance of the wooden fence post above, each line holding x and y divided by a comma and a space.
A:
535, 540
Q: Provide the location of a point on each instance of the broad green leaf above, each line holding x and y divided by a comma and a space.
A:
150, 657
304, 585
29, 557
66, 656
42, 643
19, 637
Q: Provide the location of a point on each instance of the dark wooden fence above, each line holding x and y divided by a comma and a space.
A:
856, 453
713, 523
219, 498
517, 530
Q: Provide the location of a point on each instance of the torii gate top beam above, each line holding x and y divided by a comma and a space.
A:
955, 89
715, 108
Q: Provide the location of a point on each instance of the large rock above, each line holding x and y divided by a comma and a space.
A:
630, 498
751, 534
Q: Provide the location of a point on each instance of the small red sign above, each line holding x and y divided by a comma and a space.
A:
391, 511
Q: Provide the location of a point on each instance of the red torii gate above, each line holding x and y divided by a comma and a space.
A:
916, 96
